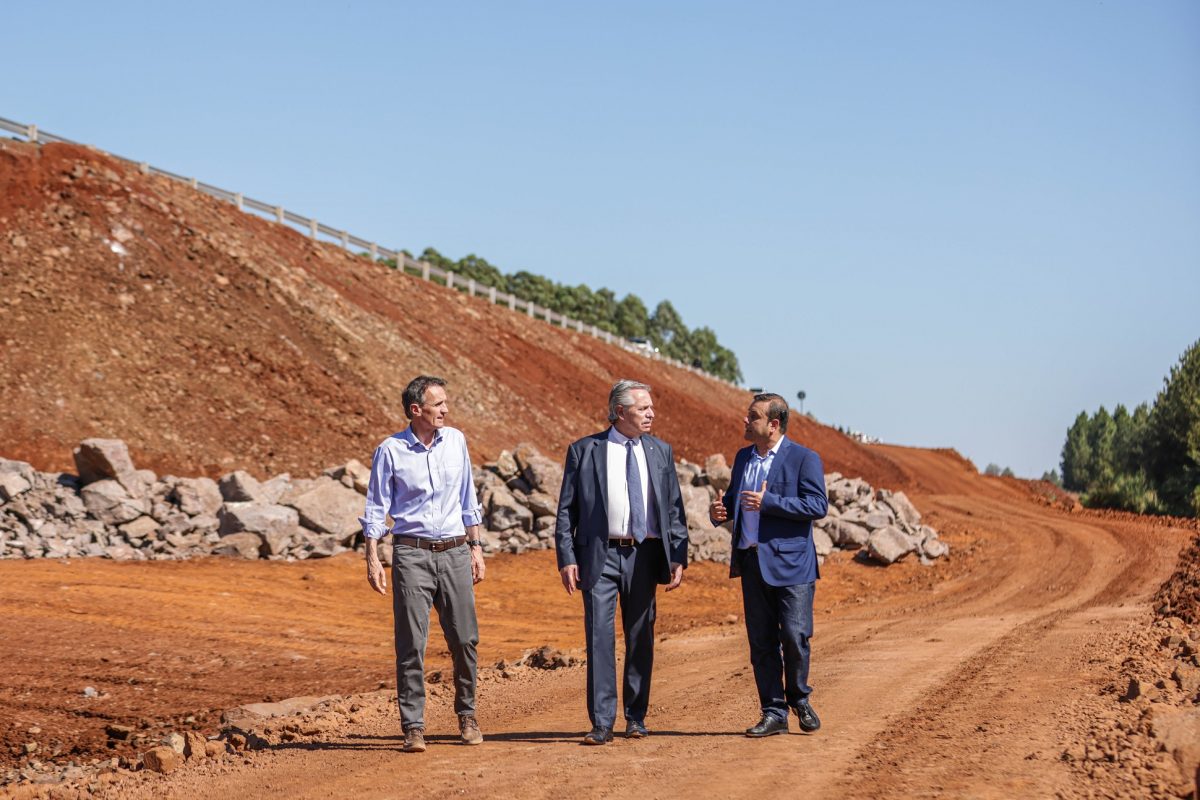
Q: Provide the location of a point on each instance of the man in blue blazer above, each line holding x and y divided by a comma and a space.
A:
620, 532
777, 489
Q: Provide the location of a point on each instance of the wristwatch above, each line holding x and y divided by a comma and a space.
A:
474, 543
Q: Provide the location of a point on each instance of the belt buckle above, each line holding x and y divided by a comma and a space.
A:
626, 542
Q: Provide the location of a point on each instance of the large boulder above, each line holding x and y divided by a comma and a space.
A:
243, 545
542, 504
240, 487
719, 474
107, 459
11, 485
822, 542
889, 545
505, 513
847, 535
329, 507
108, 501
541, 473
257, 518
906, 512
197, 496
696, 500
353, 475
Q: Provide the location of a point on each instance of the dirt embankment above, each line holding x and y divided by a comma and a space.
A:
210, 340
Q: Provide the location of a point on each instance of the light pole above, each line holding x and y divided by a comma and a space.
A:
800, 396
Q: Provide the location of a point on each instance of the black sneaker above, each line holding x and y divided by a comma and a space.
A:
769, 725
598, 735
809, 721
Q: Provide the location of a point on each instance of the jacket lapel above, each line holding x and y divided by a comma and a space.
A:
599, 456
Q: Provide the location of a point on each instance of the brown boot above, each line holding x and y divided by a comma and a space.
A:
469, 729
414, 740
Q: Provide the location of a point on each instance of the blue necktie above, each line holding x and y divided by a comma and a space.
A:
637, 504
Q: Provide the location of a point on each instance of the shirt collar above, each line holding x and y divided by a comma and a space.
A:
413, 442
617, 437
770, 452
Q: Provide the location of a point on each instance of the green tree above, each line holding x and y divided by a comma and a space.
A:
1174, 437
992, 470
666, 324
1102, 435
631, 318
1052, 477
1077, 456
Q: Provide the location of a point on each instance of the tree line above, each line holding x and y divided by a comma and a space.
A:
1147, 460
627, 317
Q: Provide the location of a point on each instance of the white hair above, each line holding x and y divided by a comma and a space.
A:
622, 395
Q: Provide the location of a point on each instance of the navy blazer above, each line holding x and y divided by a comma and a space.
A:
795, 497
581, 531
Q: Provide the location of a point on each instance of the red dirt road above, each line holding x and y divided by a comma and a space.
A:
966, 679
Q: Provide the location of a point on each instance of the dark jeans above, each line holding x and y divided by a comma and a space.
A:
779, 623
631, 577
421, 580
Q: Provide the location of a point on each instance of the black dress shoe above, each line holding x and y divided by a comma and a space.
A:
598, 735
768, 726
809, 721
635, 730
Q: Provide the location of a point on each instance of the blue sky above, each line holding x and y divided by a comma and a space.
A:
953, 224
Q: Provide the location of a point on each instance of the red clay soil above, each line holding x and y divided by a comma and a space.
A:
972, 677
221, 340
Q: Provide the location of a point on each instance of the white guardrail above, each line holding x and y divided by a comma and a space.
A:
375, 251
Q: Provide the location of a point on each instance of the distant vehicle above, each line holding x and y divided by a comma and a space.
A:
642, 345
755, 390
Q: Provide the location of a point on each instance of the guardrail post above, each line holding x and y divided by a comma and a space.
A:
449, 279
195, 183
471, 286
579, 325
425, 270
374, 252
512, 302
345, 240
531, 308
237, 201
279, 214
312, 227
492, 296
31, 133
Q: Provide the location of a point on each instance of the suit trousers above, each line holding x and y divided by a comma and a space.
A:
630, 578
779, 624
421, 580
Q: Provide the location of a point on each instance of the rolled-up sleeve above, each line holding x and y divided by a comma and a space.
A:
472, 512
379, 495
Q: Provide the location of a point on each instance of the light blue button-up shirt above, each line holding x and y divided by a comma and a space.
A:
757, 469
427, 491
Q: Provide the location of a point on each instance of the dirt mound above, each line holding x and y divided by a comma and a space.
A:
210, 339
1180, 595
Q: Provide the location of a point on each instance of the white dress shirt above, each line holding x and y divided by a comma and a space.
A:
618, 491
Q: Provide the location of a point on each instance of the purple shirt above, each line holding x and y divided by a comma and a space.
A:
427, 491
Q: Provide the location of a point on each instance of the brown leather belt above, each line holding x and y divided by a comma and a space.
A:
435, 545
620, 541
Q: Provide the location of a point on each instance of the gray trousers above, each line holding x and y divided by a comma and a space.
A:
630, 579
421, 580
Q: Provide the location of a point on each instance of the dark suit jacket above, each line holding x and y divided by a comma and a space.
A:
581, 533
795, 497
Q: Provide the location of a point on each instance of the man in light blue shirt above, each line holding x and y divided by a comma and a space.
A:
421, 478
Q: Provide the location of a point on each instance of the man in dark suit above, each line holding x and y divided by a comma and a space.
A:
776, 491
621, 531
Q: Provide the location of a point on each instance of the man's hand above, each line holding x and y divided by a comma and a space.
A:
717, 512
376, 574
752, 501
477, 565
676, 576
570, 577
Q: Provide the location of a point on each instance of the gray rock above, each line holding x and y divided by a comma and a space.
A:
696, 500
21, 468
543, 528
257, 518
542, 504
933, 547
822, 542
688, 473
878, 519
197, 496
717, 469
244, 545
505, 513
109, 502
105, 459
906, 512
328, 507
847, 535
240, 487
11, 485
140, 528
506, 466
275, 488
889, 545
353, 475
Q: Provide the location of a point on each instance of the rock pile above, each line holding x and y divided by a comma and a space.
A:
113, 510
